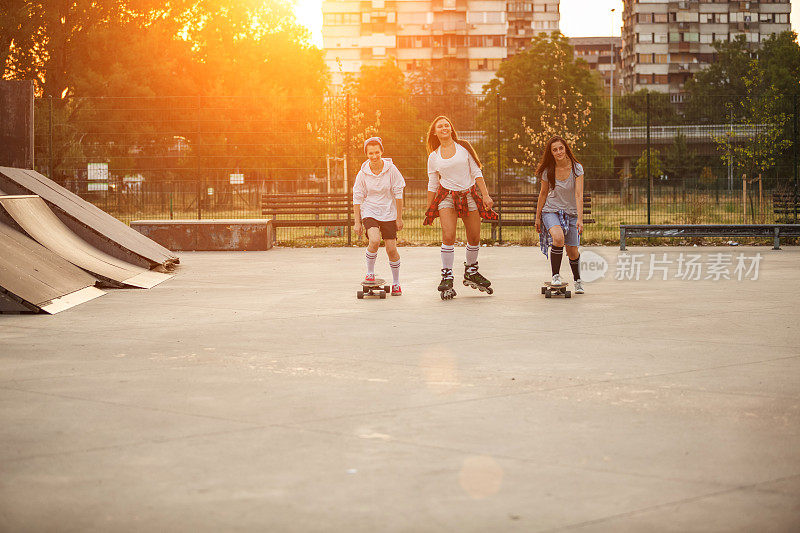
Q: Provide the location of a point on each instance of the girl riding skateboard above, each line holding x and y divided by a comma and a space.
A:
378, 207
559, 210
454, 182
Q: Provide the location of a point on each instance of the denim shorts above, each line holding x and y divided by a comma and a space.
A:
448, 202
572, 238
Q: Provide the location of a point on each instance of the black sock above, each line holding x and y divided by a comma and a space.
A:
576, 267
556, 252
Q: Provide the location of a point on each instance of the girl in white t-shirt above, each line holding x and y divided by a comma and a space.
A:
378, 206
454, 182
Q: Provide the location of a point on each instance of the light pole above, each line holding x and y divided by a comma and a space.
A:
611, 117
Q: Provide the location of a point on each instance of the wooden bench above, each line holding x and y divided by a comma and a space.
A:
776, 231
332, 211
786, 206
519, 209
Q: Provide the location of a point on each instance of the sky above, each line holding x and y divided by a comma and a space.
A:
579, 18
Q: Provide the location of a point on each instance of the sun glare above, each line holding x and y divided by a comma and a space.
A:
309, 14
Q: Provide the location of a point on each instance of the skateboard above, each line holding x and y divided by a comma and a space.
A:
549, 290
373, 288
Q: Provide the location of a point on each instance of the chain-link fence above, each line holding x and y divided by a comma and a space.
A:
703, 160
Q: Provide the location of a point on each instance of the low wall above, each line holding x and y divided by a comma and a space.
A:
209, 235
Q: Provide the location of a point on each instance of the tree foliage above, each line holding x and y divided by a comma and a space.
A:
565, 100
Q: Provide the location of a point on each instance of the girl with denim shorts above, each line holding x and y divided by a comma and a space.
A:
456, 189
559, 211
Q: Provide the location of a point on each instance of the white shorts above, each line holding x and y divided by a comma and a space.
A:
448, 202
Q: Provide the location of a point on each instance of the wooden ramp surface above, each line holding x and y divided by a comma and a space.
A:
102, 226
33, 215
32, 278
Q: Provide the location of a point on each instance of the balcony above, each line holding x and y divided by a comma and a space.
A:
743, 26
456, 52
684, 47
522, 33
519, 15
438, 6
447, 28
684, 4
685, 68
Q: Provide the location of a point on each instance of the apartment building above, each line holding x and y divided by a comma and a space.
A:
468, 38
666, 42
526, 19
603, 54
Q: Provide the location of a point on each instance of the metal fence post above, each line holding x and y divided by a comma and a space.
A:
794, 144
197, 163
346, 177
50, 140
648, 156
499, 176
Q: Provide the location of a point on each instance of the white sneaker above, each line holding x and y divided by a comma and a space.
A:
557, 280
578, 286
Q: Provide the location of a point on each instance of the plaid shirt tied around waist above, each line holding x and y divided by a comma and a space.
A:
545, 239
461, 204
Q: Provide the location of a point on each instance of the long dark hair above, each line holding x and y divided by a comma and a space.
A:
434, 142
548, 162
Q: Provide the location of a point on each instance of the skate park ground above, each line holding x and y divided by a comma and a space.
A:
254, 392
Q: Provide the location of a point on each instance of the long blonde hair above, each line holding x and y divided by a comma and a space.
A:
434, 142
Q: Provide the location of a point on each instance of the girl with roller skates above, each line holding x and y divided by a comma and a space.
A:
378, 207
454, 182
559, 210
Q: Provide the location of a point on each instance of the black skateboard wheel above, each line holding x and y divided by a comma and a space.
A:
360, 295
382, 295
544, 289
567, 294
387, 289
548, 294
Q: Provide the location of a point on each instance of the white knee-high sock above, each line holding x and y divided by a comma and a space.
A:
395, 266
472, 254
371, 257
448, 253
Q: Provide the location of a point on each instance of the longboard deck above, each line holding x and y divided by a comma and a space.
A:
373, 288
550, 290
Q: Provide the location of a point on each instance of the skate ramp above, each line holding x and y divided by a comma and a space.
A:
34, 279
89, 222
36, 219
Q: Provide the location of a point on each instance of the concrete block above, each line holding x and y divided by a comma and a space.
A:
209, 235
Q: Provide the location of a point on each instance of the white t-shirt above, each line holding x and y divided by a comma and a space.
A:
376, 193
457, 173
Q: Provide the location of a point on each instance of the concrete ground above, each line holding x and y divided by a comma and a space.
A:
254, 392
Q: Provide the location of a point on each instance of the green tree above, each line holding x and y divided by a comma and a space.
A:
630, 110
656, 166
565, 100
382, 97
680, 161
766, 141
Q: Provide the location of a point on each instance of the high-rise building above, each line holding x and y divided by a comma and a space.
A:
666, 42
467, 39
602, 55
526, 19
